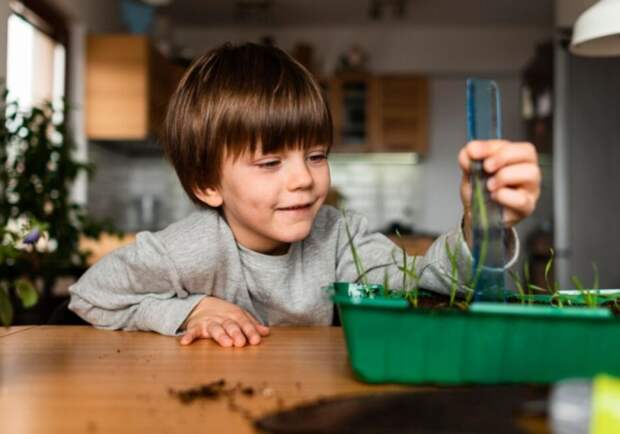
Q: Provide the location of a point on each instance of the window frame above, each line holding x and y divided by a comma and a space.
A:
48, 20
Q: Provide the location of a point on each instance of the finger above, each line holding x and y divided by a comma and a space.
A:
518, 200
513, 153
250, 330
464, 160
481, 149
218, 334
525, 175
190, 335
465, 191
263, 330
234, 331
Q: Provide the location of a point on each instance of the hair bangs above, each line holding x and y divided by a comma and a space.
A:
284, 111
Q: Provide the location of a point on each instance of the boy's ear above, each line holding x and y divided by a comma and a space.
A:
210, 196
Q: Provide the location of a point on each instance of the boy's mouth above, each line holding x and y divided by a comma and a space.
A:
295, 207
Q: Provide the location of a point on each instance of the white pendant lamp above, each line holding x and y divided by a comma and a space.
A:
597, 30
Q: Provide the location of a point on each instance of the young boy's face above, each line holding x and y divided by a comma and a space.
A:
271, 200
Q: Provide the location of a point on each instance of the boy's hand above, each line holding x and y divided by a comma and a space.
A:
224, 322
515, 177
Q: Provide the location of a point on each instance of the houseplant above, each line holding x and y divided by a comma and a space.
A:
37, 171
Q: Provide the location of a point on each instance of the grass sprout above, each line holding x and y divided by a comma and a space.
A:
521, 285
590, 296
386, 283
526, 290
359, 266
453, 256
480, 211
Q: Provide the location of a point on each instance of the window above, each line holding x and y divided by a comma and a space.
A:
35, 60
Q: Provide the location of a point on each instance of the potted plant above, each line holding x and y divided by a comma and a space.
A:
37, 171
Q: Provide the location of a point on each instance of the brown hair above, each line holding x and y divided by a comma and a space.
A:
235, 99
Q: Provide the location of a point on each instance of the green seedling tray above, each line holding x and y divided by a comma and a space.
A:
390, 342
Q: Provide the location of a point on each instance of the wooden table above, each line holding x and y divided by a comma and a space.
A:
82, 380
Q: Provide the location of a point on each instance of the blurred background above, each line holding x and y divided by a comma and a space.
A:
394, 74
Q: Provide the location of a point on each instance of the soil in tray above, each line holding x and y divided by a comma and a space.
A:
432, 300
480, 410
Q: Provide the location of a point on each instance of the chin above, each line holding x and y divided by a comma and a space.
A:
296, 235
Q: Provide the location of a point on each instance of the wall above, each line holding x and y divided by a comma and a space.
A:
393, 47
84, 17
567, 11
586, 139
121, 180
593, 179
95, 15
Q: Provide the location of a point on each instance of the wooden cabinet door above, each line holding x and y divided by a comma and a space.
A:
128, 86
116, 87
387, 113
400, 110
351, 103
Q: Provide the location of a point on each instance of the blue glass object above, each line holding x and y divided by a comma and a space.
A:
137, 16
484, 123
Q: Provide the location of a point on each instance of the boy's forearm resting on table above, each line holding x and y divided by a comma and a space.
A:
134, 288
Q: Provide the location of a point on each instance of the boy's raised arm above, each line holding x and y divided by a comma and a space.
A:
136, 287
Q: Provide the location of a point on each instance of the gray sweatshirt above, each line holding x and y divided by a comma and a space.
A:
154, 283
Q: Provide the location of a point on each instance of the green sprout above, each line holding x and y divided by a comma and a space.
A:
386, 283
480, 211
357, 260
590, 296
453, 256
412, 293
521, 285
411, 277
552, 287
409, 274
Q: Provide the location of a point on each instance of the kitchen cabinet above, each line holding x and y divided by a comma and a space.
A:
379, 113
128, 85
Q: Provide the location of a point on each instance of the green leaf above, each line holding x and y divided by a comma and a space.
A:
548, 267
386, 282
26, 293
577, 283
536, 288
6, 309
596, 283
526, 272
517, 281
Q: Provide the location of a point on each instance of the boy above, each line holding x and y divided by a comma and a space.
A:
248, 133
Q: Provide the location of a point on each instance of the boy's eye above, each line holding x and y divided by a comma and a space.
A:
269, 164
317, 158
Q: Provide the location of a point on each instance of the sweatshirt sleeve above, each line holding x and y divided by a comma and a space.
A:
136, 287
378, 255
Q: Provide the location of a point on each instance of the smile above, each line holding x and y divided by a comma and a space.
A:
296, 207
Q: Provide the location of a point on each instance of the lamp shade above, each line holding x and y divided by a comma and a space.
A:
597, 30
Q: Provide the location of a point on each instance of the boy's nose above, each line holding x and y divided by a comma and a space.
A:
300, 177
